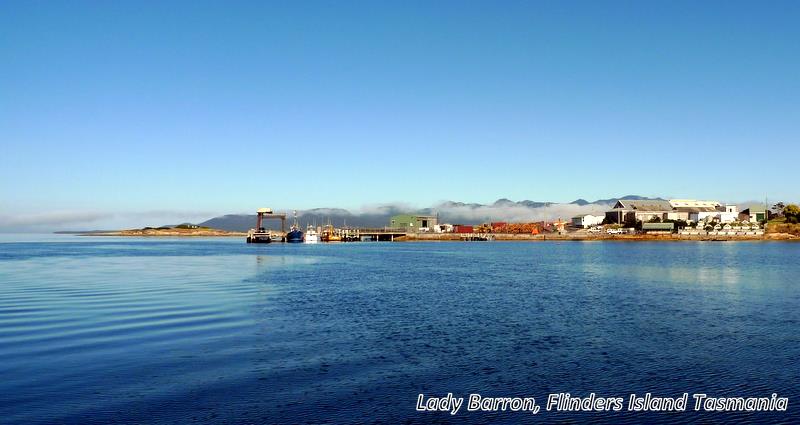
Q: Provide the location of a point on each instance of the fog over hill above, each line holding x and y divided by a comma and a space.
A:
448, 212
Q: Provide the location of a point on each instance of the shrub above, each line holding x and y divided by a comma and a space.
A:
792, 213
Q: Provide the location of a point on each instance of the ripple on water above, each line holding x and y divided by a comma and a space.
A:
218, 331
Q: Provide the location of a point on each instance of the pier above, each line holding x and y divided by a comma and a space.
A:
371, 234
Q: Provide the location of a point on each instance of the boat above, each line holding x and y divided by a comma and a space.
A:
329, 234
295, 235
311, 235
276, 237
258, 236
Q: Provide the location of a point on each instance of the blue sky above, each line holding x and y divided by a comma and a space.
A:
192, 108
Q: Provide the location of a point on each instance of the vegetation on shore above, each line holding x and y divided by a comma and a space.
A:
782, 225
785, 219
180, 230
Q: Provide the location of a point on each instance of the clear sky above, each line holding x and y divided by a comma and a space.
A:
196, 108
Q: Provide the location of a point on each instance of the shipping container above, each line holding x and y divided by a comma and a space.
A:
460, 228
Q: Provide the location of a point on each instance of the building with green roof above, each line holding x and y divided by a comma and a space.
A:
661, 228
413, 223
756, 213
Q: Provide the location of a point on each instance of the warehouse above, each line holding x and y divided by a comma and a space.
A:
414, 223
645, 210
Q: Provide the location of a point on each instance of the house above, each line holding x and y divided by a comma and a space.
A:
639, 210
587, 220
728, 213
413, 223
754, 214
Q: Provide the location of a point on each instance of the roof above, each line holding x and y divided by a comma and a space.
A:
644, 205
658, 226
693, 203
412, 216
757, 208
697, 209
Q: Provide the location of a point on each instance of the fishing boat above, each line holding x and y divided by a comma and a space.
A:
329, 234
311, 235
295, 235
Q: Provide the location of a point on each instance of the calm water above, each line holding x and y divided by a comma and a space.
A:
97, 330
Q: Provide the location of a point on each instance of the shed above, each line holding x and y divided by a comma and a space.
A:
658, 227
413, 223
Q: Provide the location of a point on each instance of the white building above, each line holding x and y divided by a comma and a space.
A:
724, 214
443, 228
696, 211
587, 220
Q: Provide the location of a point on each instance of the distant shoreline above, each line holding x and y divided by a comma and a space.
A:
172, 232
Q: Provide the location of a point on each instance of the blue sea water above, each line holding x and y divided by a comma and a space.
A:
121, 330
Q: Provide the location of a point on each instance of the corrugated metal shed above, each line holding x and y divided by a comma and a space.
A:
658, 226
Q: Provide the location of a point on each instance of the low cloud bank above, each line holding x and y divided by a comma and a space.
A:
513, 212
95, 220
472, 213
51, 218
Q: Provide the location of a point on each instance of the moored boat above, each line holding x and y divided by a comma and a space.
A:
329, 234
258, 236
295, 235
311, 235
